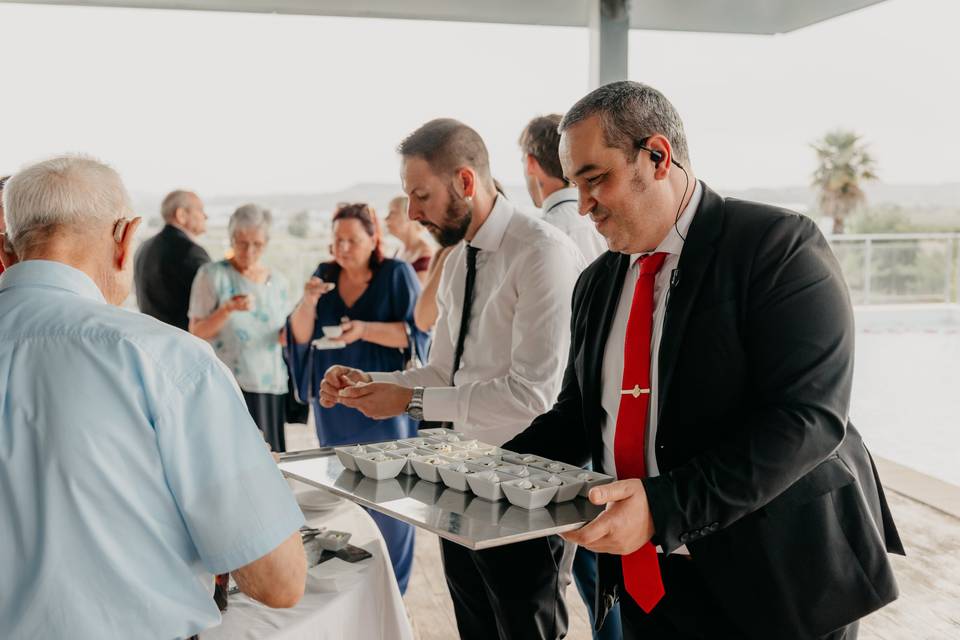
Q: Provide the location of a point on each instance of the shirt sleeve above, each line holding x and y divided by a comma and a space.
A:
437, 370
544, 278
203, 296
232, 497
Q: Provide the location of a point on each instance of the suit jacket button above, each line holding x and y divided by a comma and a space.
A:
684, 537
714, 526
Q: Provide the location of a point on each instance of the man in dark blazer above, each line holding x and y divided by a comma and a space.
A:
166, 264
763, 508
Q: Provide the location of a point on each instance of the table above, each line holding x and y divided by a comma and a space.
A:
369, 608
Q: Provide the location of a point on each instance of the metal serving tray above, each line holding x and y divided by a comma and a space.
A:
459, 517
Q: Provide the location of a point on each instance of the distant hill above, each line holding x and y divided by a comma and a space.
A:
938, 196
946, 196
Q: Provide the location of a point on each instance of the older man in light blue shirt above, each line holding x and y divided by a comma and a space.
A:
130, 469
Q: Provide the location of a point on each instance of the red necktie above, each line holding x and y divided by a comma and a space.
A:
641, 571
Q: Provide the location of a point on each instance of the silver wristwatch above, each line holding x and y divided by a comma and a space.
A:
415, 407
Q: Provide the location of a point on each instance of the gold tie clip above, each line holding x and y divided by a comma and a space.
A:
636, 392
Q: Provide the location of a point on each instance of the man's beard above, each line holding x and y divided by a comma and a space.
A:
457, 220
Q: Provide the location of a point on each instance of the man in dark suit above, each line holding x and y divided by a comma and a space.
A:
746, 505
165, 265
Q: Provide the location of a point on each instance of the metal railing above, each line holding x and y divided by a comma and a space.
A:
889, 268
880, 268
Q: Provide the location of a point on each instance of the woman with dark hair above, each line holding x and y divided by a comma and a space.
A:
358, 311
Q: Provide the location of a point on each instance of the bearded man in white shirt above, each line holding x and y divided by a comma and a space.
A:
549, 189
495, 364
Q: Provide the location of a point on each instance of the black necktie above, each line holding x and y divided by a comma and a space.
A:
467, 305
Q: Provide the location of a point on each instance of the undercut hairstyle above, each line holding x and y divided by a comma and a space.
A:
541, 139
178, 199
72, 193
367, 217
447, 145
629, 112
250, 216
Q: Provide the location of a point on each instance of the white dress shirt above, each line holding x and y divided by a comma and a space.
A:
612, 372
519, 336
561, 209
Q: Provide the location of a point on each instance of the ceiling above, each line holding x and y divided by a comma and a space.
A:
722, 16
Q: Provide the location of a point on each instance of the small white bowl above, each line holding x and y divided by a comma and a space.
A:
442, 448
524, 458
379, 465
529, 493
389, 447
590, 479
567, 488
426, 466
332, 331
487, 484
553, 466
407, 455
487, 463
413, 442
454, 474
347, 455
519, 470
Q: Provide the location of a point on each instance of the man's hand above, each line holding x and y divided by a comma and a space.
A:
626, 524
376, 400
336, 378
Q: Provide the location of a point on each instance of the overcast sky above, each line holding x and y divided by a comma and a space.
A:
241, 103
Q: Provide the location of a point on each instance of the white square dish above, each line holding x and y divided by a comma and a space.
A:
590, 479
408, 455
529, 493
347, 455
567, 488
486, 484
553, 466
524, 458
379, 465
454, 474
426, 466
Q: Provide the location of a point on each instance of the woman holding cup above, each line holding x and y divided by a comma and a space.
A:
239, 306
358, 311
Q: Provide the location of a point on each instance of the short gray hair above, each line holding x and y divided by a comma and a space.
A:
250, 216
629, 112
66, 191
179, 199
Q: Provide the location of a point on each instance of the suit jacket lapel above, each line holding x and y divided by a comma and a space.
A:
698, 250
602, 308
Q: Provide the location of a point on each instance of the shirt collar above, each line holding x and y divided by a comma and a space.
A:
673, 243
558, 196
50, 274
491, 232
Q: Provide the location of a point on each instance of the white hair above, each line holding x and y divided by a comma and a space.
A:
174, 201
68, 191
250, 216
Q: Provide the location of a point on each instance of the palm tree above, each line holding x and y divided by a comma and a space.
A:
843, 163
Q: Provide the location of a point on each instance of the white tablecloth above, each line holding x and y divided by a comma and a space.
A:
369, 607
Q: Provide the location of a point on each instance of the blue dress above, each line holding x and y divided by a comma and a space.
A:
390, 297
